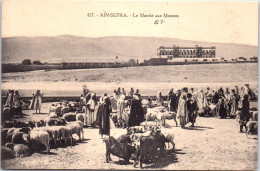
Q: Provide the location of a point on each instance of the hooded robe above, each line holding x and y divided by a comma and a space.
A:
103, 116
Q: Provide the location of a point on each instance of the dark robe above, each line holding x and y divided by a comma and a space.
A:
172, 101
251, 94
237, 96
215, 98
88, 96
192, 110
222, 110
170, 94
136, 113
103, 117
245, 115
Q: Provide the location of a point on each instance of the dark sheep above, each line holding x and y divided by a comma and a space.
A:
8, 124
124, 139
17, 138
6, 153
51, 122
31, 124
61, 122
7, 113
118, 149
40, 123
69, 117
148, 146
4, 135
20, 138
26, 130
252, 127
20, 124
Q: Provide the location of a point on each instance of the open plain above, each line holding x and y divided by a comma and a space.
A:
148, 79
213, 143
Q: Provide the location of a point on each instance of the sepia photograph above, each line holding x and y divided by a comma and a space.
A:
129, 85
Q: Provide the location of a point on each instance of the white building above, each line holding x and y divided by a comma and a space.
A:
188, 54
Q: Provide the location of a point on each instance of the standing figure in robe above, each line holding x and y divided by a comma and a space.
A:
233, 103
201, 101
120, 108
85, 99
85, 90
227, 96
17, 104
136, 111
90, 110
131, 93
159, 99
191, 109
37, 101
244, 114
176, 99
103, 116
9, 100
182, 113
171, 97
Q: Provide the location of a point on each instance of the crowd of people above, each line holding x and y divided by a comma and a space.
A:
99, 113
186, 103
13, 103
219, 103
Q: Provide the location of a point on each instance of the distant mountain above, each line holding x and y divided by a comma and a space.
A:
68, 48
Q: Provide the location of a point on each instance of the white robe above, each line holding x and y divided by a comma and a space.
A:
120, 106
37, 102
201, 101
90, 112
182, 113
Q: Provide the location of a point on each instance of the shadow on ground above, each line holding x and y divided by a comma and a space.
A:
163, 161
198, 128
48, 153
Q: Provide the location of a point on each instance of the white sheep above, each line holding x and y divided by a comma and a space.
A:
77, 128
68, 135
169, 136
40, 137
21, 150
55, 130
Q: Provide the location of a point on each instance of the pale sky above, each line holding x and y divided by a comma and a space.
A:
228, 22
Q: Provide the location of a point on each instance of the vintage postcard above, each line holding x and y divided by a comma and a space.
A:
122, 85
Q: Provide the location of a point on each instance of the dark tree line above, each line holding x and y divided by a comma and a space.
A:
29, 62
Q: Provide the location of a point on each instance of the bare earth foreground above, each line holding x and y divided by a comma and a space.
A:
213, 144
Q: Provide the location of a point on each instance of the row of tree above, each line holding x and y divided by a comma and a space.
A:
130, 62
29, 62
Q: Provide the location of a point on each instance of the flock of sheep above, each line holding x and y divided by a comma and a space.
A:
23, 138
140, 143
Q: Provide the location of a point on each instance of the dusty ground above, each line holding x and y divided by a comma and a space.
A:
209, 73
149, 79
213, 144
